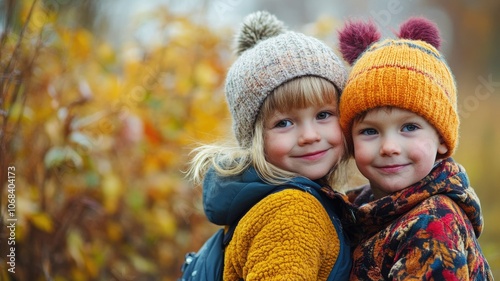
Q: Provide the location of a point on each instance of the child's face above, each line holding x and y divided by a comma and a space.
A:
306, 141
394, 149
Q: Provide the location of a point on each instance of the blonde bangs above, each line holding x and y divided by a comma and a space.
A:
300, 93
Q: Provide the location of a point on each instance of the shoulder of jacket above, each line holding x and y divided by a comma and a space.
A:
438, 202
292, 201
291, 195
438, 209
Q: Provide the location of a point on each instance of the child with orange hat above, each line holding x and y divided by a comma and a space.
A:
418, 218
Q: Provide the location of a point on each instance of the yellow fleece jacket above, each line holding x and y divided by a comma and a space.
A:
286, 236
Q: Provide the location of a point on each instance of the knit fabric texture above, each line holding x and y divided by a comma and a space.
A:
286, 236
268, 64
403, 73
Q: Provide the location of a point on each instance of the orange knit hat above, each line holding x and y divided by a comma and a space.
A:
408, 73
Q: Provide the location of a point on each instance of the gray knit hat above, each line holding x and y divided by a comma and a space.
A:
268, 57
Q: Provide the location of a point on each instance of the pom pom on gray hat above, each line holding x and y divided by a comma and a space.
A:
270, 55
257, 27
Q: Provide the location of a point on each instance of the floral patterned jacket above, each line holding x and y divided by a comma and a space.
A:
427, 231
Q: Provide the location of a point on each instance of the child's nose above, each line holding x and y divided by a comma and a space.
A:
389, 146
309, 134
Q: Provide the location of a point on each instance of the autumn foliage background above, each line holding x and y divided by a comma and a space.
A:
99, 138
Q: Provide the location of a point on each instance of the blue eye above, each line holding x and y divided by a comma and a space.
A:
323, 115
368, 132
409, 128
283, 124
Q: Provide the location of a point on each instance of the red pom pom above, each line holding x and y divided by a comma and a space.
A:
420, 29
355, 38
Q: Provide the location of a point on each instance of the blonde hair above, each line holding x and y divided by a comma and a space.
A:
229, 159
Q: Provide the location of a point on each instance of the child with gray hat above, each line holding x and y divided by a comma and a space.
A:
283, 93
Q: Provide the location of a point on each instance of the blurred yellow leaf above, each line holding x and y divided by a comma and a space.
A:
166, 222
39, 18
323, 27
169, 157
20, 111
106, 54
142, 264
184, 85
53, 130
114, 231
77, 274
75, 243
111, 188
205, 75
91, 266
42, 221
150, 164
81, 44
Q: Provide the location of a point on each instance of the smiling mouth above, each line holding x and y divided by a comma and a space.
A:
390, 169
313, 156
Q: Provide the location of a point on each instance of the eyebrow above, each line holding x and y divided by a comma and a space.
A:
404, 117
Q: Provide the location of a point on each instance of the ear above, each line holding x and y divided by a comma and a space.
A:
355, 38
420, 29
442, 148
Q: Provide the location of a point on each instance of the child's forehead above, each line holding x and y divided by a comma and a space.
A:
301, 93
386, 111
311, 106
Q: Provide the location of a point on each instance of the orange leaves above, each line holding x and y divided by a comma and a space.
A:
151, 133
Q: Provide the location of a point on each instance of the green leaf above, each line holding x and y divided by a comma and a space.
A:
56, 156
81, 139
142, 264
